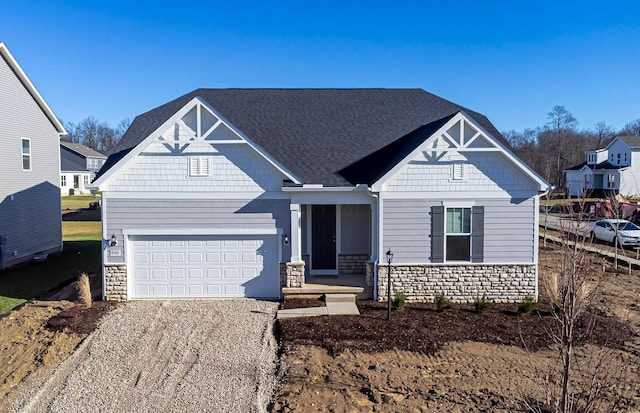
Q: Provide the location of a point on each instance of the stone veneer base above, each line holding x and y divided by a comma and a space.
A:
458, 282
292, 274
115, 282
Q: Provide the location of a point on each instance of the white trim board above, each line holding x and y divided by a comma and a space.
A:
203, 231
196, 195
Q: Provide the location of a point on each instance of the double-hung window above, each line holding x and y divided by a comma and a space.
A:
458, 234
26, 154
63, 180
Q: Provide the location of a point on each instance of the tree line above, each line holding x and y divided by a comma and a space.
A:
95, 134
560, 144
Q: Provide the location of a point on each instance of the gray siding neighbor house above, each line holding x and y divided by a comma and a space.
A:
78, 167
246, 192
30, 217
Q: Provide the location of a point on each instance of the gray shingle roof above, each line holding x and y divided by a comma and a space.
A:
602, 165
632, 141
315, 133
83, 150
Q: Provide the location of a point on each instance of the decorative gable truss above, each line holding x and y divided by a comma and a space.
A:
460, 151
198, 142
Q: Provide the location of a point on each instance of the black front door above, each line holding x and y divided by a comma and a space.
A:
323, 237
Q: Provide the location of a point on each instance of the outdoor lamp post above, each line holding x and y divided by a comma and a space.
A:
389, 259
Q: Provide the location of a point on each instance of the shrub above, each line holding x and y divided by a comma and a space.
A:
84, 290
442, 302
481, 304
527, 305
399, 300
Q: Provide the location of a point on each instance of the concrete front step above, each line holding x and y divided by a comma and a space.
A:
339, 298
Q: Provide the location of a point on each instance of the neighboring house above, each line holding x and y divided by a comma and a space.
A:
30, 218
239, 192
78, 167
614, 168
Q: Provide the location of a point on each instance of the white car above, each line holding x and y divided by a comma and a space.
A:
607, 230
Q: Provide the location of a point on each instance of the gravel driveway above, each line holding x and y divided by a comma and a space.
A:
169, 356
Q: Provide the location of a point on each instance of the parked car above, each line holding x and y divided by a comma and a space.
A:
607, 230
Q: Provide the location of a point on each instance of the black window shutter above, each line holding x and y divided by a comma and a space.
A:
477, 234
437, 234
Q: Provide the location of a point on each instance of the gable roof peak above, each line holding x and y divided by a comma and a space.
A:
24, 79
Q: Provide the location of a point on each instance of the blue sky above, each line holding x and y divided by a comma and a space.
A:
511, 60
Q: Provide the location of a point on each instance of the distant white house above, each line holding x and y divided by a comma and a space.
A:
615, 168
78, 166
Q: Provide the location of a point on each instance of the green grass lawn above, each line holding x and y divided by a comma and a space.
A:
27, 281
81, 230
74, 202
82, 246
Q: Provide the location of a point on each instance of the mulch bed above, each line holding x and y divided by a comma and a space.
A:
421, 328
80, 320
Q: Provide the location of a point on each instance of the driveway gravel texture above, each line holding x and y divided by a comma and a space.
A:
168, 356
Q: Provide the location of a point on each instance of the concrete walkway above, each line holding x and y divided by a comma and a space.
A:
335, 304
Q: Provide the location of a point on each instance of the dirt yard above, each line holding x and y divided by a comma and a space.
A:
460, 362
452, 361
36, 337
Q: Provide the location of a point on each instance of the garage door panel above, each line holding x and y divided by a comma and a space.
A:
177, 273
159, 257
231, 257
196, 273
204, 266
158, 273
213, 257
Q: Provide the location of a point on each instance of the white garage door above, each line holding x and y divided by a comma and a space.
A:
204, 266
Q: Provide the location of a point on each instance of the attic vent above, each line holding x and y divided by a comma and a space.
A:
198, 166
458, 172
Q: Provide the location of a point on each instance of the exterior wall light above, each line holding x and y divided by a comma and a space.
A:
285, 240
113, 241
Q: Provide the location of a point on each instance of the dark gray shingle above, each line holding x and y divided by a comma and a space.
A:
315, 133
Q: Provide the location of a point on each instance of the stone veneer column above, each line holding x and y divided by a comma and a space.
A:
369, 271
115, 282
292, 274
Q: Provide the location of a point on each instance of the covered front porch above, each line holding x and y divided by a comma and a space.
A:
331, 244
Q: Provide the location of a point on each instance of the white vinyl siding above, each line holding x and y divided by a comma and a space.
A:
30, 213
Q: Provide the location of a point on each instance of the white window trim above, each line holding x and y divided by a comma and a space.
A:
468, 206
22, 154
63, 180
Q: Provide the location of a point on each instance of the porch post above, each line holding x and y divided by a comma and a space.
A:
374, 230
296, 234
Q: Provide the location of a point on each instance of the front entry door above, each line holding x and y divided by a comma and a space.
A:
323, 238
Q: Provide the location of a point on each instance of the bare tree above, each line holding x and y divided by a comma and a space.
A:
631, 128
583, 380
560, 122
602, 133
